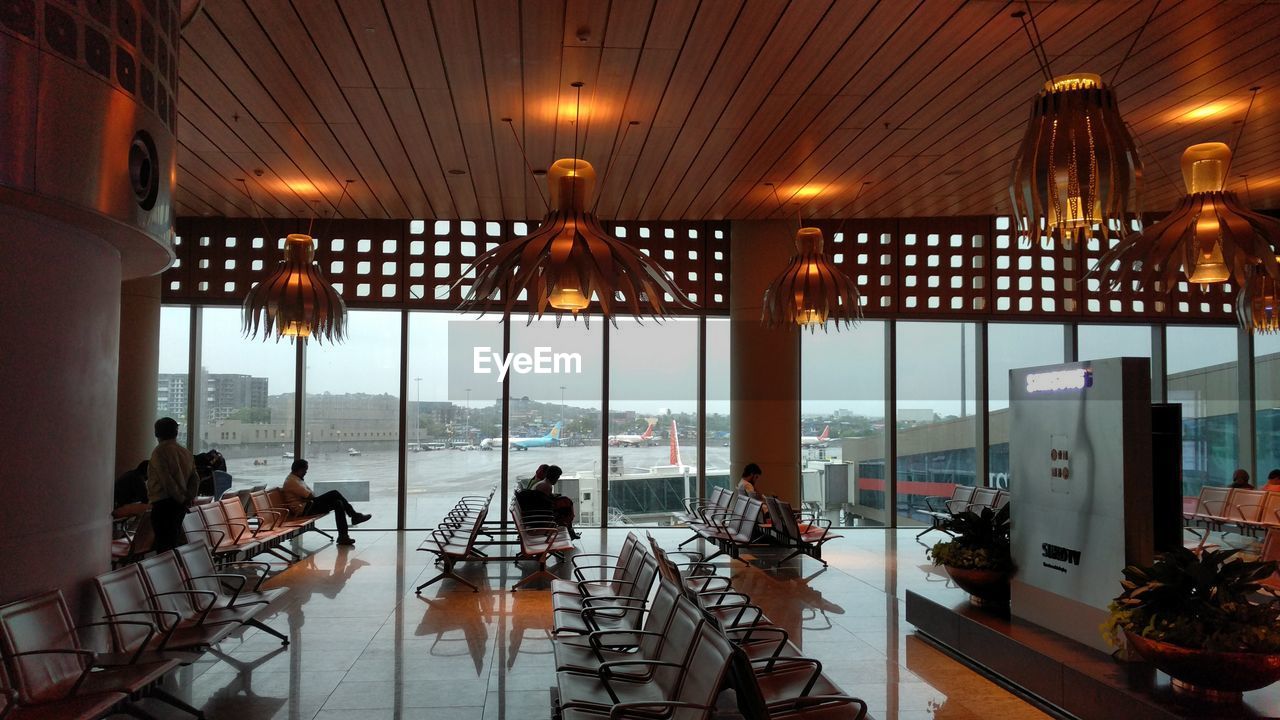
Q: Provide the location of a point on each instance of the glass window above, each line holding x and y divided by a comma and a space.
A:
454, 433
1202, 377
1096, 342
653, 419
936, 405
246, 399
842, 428
556, 380
173, 378
1266, 353
352, 415
1010, 347
717, 378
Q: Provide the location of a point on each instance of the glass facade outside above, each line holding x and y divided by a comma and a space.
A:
352, 415
246, 400
842, 410
1202, 377
245, 409
937, 402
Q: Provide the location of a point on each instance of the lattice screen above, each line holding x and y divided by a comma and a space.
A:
415, 263
964, 267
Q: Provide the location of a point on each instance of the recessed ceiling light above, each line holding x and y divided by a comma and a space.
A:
539, 172
456, 171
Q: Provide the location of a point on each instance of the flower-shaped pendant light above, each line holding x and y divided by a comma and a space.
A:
811, 290
296, 301
1077, 167
1210, 237
570, 260
1256, 306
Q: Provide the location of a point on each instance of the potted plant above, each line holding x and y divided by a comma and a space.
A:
1201, 620
977, 555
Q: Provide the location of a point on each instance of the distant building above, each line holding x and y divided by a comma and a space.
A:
224, 395
171, 396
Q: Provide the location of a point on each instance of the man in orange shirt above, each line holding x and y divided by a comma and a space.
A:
1273, 481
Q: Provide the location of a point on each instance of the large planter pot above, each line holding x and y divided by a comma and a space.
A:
1208, 675
985, 587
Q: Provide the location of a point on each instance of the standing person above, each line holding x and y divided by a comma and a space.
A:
1240, 480
301, 501
561, 505
1273, 481
172, 483
750, 476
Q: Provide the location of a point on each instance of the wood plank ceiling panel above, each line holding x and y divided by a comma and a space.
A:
690, 107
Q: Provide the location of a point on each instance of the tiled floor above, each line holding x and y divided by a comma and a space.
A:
364, 646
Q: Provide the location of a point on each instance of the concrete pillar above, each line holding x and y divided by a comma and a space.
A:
764, 364
139, 364
60, 310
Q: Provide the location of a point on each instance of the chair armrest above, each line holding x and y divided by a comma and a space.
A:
770, 664
225, 577
747, 632
607, 671
819, 700
84, 671
151, 631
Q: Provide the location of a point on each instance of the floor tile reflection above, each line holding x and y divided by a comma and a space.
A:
364, 646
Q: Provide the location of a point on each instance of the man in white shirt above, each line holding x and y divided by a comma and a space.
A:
171, 485
301, 501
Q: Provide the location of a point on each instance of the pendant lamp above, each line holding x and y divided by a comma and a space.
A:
1077, 168
1256, 305
811, 290
296, 301
570, 260
1210, 237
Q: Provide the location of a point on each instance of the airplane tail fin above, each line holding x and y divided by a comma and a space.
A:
555, 431
826, 433
648, 432
675, 445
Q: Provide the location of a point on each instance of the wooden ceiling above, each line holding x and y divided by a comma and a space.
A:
691, 109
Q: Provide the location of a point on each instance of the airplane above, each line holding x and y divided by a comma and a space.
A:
634, 440
819, 441
551, 439
353, 452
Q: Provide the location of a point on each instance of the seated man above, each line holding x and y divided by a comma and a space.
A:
562, 506
302, 501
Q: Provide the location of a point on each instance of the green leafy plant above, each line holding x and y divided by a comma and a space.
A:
1199, 602
980, 541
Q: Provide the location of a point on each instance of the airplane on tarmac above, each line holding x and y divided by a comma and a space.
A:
634, 440
551, 439
819, 441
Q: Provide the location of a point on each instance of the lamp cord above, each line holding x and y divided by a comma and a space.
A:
1036, 42
1239, 135
608, 168
528, 166
1115, 77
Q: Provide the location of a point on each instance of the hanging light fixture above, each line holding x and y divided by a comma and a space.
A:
1256, 305
811, 290
1077, 168
1210, 236
296, 301
570, 260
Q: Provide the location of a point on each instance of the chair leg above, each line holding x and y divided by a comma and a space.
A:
322, 532
793, 554
686, 542
164, 696
540, 572
284, 639
132, 710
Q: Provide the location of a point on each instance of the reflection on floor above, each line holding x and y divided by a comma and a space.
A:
364, 646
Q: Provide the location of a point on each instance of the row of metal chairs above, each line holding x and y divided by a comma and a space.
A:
659, 639
726, 519
236, 531
158, 614
454, 539
804, 535
963, 497
540, 539
1247, 511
